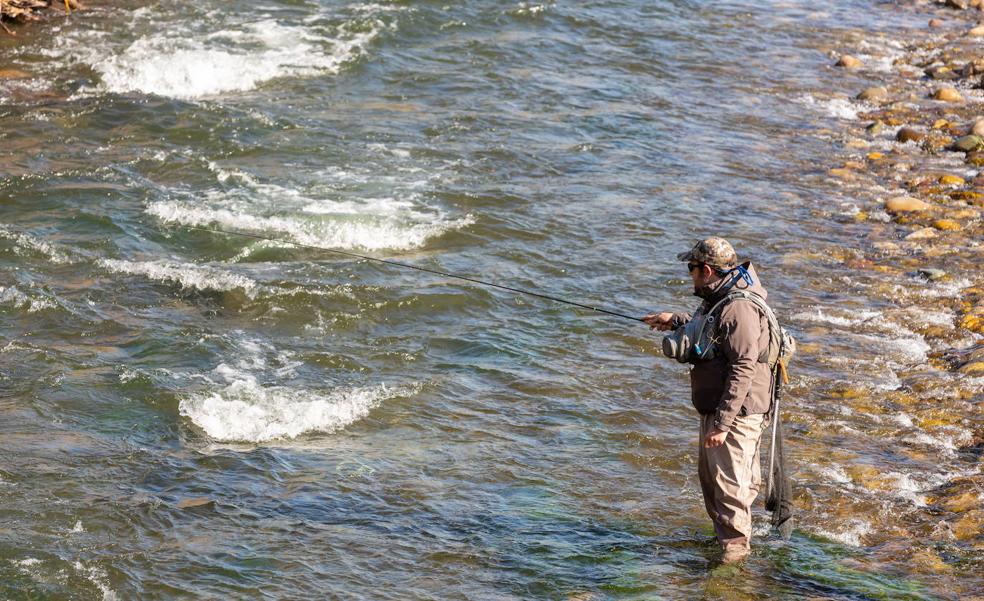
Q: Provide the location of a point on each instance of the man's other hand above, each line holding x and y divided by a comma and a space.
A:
715, 439
659, 321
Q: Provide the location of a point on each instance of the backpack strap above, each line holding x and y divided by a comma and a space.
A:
758, 301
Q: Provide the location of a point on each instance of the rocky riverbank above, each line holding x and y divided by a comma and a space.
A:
912, 161
21, 11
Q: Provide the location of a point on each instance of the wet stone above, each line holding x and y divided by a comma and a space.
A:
977, 128
952, 180
925, 233
947, 94
968, 143
931, 273
875, 128
946, 225
905, 204
908, 134
849, 62
875, 94
941, 73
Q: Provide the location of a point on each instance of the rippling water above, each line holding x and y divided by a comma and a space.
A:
204, 416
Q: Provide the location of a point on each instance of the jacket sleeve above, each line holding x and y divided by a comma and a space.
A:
739, 331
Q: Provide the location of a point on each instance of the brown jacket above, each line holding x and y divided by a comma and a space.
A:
734, 379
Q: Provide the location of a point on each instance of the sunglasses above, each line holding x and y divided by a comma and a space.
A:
693, 266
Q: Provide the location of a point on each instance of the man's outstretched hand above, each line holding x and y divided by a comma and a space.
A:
659, 321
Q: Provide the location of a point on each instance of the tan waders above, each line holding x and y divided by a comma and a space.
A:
730, 476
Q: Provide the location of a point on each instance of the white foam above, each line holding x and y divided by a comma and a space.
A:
186, 275
227, 60
246, 411
98, 577
27, 242
852, 535
12, 296
834, 474
912, 349
363, 231
839, 108
241, 405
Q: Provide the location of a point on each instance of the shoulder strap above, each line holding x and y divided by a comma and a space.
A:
770, 316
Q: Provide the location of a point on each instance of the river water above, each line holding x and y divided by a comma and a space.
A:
195, 415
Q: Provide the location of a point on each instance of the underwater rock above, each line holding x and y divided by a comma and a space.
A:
931, 273
849, 62
969, 526
875, 94
924, 233
963, 503
875, 128
952, 180
968, 143
947, 94
907, 134
905, 204
946, 225
13, 74
927, 561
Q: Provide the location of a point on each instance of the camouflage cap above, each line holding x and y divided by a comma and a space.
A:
714, 251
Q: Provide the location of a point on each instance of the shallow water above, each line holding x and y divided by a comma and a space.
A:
205, 416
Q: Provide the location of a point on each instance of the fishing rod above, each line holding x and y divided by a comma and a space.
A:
415, 267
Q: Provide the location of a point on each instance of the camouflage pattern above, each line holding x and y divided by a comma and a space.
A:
714, 251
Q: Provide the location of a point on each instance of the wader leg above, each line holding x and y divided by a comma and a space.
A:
730, 477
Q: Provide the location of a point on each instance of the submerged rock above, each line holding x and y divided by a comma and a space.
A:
977, 128
932, 274
875, 128
907, 134
952, 180
976, 31
875, 94
968, 143
905, 204
958, 4
849, 62
925, 233
946, 225
947, 94
13, 74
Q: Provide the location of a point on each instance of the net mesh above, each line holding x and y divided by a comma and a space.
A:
779, 492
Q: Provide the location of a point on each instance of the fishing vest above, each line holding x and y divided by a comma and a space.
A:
696, 340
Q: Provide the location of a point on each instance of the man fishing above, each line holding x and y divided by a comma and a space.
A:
731, 383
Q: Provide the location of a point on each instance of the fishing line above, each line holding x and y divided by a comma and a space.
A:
415, 267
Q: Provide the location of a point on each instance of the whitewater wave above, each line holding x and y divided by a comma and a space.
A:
244, 410
27, 243
240, 405
339, 230
15, 298
186, 275
229, 60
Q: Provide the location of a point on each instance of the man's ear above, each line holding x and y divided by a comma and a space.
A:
706, 270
